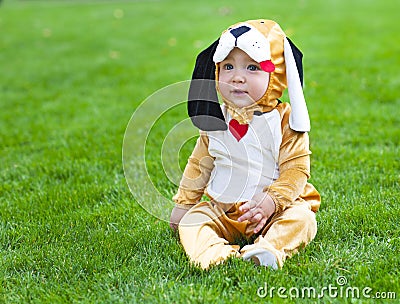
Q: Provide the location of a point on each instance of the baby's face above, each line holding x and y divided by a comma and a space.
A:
241, 80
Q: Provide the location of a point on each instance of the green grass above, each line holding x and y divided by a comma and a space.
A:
71, 75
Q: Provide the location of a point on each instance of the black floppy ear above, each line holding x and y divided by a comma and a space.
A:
203, 106
298, 58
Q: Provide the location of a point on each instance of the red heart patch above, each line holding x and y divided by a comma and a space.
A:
238, 130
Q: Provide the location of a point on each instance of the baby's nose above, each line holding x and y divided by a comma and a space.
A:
238, 77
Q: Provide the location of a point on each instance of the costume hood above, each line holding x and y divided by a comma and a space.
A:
266, 43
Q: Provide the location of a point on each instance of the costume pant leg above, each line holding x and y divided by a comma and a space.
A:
287, 232
205, 233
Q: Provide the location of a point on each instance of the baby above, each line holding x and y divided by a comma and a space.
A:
252, 158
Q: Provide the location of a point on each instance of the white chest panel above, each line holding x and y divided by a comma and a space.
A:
243, 168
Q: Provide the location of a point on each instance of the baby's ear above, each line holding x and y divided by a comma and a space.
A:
203, 106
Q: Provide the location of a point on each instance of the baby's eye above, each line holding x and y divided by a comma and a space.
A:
253, 67
228, 66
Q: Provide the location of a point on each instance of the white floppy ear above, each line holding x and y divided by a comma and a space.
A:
299, 119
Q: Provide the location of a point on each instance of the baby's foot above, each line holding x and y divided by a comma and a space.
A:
261, 256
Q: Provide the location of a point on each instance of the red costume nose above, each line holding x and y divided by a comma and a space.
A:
267, 66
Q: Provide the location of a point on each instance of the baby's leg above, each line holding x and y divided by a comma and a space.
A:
205, 235
286, 233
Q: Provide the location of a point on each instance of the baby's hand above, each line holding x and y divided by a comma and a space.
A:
176, 216
258, 210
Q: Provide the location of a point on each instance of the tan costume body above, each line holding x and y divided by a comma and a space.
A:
209, 231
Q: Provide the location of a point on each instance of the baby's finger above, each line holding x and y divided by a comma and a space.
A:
245, 207
246, 216
260, 225
253, 204
256, 218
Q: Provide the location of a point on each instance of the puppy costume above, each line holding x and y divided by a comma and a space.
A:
241, 152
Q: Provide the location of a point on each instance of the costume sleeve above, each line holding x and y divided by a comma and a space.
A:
196, 175
294, 165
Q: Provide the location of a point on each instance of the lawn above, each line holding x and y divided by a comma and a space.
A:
73, 73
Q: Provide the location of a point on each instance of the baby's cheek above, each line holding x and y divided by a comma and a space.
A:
259, 90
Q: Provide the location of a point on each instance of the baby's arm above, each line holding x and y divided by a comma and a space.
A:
294, 169
194, 180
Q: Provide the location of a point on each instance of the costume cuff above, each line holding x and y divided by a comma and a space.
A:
280, 202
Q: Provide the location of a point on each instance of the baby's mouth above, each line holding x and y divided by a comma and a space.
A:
239, 92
